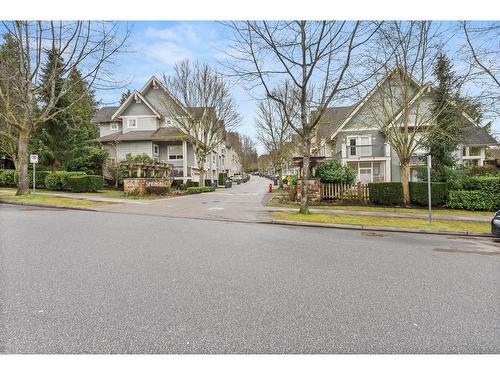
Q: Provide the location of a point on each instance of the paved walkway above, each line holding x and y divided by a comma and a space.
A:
410, 215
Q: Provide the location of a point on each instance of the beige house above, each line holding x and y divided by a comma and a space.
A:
349, 134
142, 125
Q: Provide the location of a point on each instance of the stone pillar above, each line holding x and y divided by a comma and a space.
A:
314, 189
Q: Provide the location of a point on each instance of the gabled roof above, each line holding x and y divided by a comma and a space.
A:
161, 134
127, 102
156, 81
332, 118
104, 114
478, 136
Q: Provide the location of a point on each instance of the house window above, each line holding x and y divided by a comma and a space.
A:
352, 146
175, 152
464, 151
132, 123
114, 126
156, 149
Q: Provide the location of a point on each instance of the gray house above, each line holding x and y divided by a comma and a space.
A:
142, 125
349, 134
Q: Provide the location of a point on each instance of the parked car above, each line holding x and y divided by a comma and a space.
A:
495, 224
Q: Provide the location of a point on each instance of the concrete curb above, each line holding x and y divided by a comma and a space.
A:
381, 229
48, 206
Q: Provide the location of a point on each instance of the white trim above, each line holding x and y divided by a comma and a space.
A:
176, 101
138, 116
128, 123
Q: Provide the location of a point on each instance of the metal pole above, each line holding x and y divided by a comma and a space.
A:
429, 187
34, 177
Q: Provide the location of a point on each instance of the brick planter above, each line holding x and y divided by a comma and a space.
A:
314, 189
141, 185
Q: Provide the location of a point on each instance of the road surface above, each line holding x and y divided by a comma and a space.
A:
92, 282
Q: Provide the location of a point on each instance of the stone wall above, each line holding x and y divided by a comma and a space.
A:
314, 190
141, 185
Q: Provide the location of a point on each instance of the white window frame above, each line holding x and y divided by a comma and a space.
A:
175, 156
129, 120
156, 149
113, 126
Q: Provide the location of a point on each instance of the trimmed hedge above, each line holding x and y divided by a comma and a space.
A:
386, 193
419, 193
488, 184
472, 200
222, 178
86, 183
8, 177
200, 189
59, 180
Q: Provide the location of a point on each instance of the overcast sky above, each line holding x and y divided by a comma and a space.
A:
155, 46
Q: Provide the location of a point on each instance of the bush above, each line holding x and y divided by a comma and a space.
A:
419, 193
59, 180
8, 177
483, 183
87, 183
293, 181
332, 171
386, 192
484, 171
222, 178
198, 190
158, 190
472, 200
39, 178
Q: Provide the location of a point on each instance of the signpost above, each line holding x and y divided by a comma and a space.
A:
429, 186
34, 160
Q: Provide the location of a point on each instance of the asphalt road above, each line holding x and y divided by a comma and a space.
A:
243, 202
90, 282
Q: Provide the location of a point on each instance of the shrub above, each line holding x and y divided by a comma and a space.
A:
8, 177
293, 181
332, 171
59, 180
419, 193
198, 190
483, 183
39, 178
222, 178
86, 183
386, 192
472, 200
158, 190
484, 171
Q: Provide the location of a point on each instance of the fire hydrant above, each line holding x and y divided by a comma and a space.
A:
270, 188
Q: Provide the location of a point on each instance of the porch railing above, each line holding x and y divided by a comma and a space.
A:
363, 151
357, 191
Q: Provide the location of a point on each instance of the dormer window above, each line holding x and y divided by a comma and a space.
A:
114, 126
132, 123
169, 122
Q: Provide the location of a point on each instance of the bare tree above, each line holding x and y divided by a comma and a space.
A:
87, 46
248, 153
308, 61
481, 54
205, 111
401, 105
275, 134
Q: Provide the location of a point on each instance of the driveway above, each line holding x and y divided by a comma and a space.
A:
243, 202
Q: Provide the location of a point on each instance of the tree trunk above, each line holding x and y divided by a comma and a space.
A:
201, 168
304, 204
23, 183
405, 180
280, 178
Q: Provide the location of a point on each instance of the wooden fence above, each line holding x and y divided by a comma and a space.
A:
357, 191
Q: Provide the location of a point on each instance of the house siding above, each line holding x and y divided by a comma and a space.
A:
105, 128
143, 123
135, 148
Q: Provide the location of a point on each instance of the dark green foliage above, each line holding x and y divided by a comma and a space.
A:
488, 184
472, 200
140, 158
222, 178
484, 171
87, 183
386, 193
59, 180
39, 178
89, 162
419, 193
8, 177
332, 171
293, 181
453, 177
199, 189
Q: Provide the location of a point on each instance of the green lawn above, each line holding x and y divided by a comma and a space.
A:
49, 200
106, 193
440, 211
456, 225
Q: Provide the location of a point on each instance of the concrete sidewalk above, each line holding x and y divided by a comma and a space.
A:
409, 215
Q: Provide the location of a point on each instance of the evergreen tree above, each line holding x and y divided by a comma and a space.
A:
124, 97
451, 126
50, 141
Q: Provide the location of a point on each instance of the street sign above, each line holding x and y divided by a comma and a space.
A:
289, 178
34, 158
